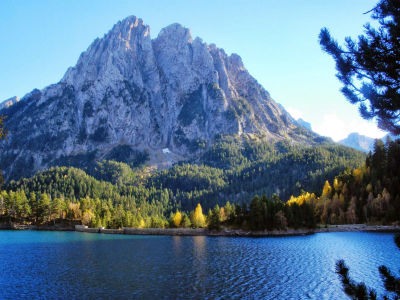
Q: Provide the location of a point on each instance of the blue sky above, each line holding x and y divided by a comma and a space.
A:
277, 40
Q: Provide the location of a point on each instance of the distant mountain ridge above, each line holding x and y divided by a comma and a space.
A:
364, 143
359, 142
353, 140
131, 95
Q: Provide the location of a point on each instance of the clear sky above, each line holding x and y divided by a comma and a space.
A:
277, 40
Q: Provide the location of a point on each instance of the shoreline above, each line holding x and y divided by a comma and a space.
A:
249, 233
211, 233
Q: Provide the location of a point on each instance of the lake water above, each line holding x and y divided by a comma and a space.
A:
72, 265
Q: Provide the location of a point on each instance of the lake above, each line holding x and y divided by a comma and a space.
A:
76, 265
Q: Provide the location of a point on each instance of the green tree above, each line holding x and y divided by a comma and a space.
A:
3, 203
118, 217
186, 223
213, 218
22, 206
230, 211
33, 203
10, 204
369, 67
58, 208
280, 221
3, 133
378, 159
258, 213
44, 208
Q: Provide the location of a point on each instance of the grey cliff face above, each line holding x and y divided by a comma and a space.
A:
149, 94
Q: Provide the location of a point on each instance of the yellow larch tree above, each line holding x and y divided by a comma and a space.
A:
198, 218
326, 190
177, 219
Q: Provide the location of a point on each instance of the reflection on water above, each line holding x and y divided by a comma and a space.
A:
177, 245
199, 246
75, 265
199, 265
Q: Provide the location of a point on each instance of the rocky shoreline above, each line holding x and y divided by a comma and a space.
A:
360, 227
206, 232
248, 233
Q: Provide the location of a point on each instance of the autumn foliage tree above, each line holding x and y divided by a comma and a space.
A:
198, 218
177, 219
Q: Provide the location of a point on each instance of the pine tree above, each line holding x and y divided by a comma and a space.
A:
360, 291
213, 218
44, 211
369, 67
3, 133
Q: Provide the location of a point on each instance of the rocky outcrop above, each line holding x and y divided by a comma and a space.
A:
7, 103
128, 91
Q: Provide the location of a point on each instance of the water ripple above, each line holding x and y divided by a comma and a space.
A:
72, 265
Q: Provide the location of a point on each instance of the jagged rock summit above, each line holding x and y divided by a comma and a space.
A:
10, 101
129, 94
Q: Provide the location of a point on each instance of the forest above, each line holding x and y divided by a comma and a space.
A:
237, 185
369, 194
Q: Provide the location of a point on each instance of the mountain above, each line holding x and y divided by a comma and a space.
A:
159, 100
303, 123
359, 142
7, 103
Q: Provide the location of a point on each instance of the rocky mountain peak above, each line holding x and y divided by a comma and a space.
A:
123, 29
114, 56
9, 102
129, 94
175, 34
128, 32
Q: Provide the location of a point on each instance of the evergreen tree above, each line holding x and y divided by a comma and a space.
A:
369, 67
3, 133
33, 203
360, 291
44, 208
258, 213
23, 209
186, 223
378, 159
213, 218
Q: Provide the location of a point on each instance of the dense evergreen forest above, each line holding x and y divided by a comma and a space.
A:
221, 191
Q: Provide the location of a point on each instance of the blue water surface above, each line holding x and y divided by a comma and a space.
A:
72, 265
